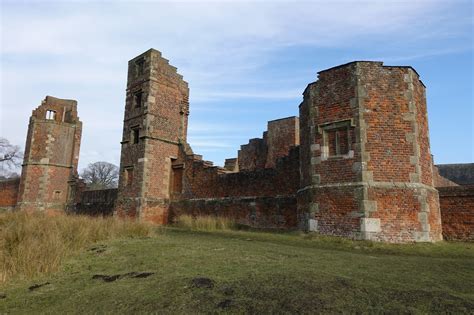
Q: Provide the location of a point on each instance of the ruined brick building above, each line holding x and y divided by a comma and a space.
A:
51, 156
355, 163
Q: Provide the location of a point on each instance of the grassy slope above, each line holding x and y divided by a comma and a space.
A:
258, 273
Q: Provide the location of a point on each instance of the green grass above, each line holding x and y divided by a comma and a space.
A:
254, 272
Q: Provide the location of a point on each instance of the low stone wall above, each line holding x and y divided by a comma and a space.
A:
260, 212
96, 202
9, 193
457, 212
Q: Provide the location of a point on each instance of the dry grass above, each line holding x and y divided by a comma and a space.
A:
34, 244
205, 223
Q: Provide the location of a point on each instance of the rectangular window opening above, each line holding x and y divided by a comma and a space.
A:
140, 65
128, 176
135, 134
338, 141
138, 99
50, 114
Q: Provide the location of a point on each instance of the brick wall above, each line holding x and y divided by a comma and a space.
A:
261, 212
202, 180
9, 193
281, 135
440, 181
155, 125
263, 197
457, 212
366, 168
462, 174
96, 202
51, 156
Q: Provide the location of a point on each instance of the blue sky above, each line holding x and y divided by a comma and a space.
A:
245, 62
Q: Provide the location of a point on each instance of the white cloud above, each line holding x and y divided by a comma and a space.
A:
79, 49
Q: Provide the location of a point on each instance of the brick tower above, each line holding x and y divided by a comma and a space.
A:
155, 126
366, 168
51, 156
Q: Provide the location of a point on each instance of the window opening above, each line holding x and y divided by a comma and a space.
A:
50, 114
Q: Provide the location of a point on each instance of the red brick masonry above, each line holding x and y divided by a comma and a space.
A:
457, 212
9, 193
356, 163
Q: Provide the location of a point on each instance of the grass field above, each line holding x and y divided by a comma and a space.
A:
185, 271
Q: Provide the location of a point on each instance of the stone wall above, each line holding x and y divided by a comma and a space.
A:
457, 212
9, 193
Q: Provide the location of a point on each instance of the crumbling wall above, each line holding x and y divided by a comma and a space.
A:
264, 197
276, 212
51, 156
457, 212
155, 125
281, 135
96, 202
9, 193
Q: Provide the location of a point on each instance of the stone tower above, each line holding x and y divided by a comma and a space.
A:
154, 128
51, 156
366, 168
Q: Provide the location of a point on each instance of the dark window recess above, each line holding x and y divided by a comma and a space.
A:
338, 141
138, 98
135, 134
140, 64
128, 174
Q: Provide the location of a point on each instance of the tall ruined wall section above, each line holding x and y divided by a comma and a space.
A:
365, 160
155, 124
281, 135
51, 156
261, 194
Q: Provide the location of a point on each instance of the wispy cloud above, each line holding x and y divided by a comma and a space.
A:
79, 49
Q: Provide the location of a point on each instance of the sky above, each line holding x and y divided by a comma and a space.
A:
246, 62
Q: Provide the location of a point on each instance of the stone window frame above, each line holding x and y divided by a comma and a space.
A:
323, 130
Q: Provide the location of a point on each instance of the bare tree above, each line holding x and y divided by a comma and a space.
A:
10, 159
101, 175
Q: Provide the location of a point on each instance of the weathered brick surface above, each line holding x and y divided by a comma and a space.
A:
457, 212
360, 166
51, 156
280, 137
260, 212
204, 181
9, 193
96, 202
364, 134
155, 124
440, 181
